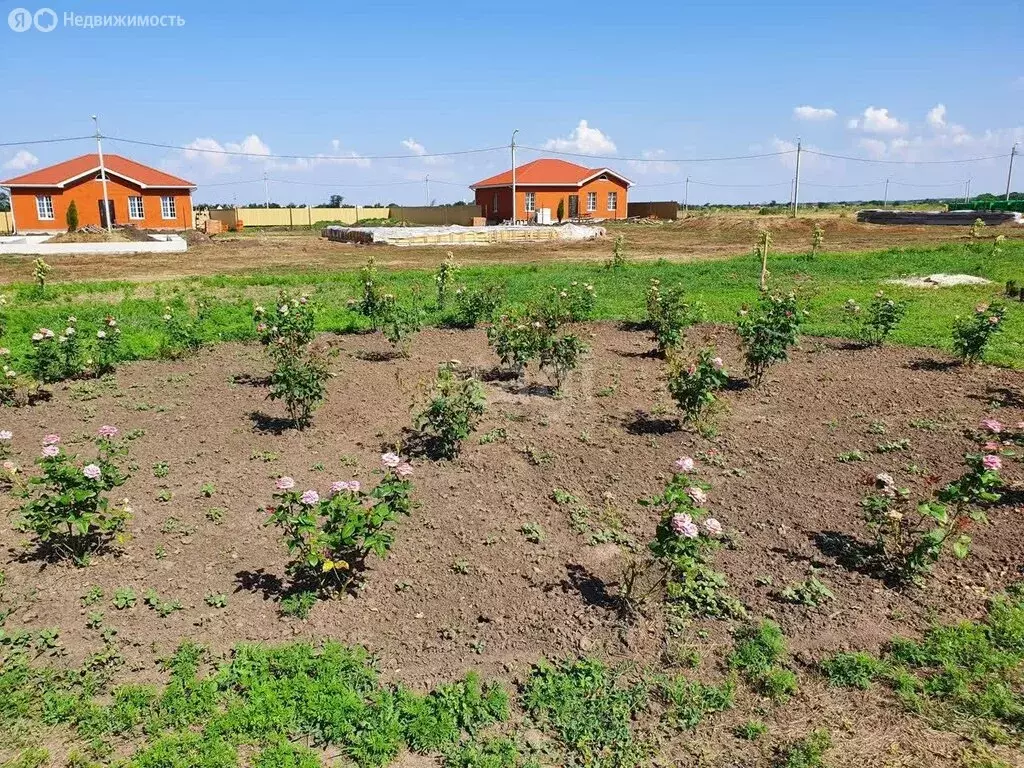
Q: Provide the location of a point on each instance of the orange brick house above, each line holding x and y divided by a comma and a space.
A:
587, 193
136, 194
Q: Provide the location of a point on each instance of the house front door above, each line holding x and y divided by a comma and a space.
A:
103, 214
574, 206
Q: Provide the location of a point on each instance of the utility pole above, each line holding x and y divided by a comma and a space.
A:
885, 200
686, 197
1009, 173
514, 175
426, 189
967, 191
266, 189
796, 180
103, 175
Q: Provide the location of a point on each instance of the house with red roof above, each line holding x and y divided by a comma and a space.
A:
585, 193
136, 194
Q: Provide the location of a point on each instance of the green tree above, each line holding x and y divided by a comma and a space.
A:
561, 210
71, 217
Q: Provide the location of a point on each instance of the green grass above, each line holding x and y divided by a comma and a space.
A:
759, 653
265, 697
824, 284
962, 677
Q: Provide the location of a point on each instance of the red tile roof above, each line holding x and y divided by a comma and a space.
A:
548, 172
61, 173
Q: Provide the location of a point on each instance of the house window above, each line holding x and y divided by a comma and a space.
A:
136, 210
591, 202
531, 201
167, 209
613, 201
494, 205
44, 207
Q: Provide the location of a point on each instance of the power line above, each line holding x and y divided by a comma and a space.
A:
655, 159
323, 158
344, 184
44, 141
904, 162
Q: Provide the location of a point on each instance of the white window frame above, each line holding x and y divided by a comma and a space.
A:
531, 201
131, 207
591, 202
44, 208
613, 201
168, 208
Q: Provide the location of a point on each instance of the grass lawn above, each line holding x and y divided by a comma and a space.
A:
823, 285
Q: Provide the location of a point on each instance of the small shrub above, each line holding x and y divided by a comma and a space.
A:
444, 278
70, 350
67, 506
71, 217
767, 333
561, 355
972, 335
45, 359
108, 346
618, 260
288, 327
977, 229
516, 341
453, 410
330, 538
476, 305
678, 566
669, 315
910, 538
693, 385
371, 302
182, 332
881, 319
817, 239
300, 380
40, 272
398, 323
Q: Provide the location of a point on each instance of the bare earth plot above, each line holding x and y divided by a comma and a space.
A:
464, 588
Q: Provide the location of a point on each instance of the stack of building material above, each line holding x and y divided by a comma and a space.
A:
938, 218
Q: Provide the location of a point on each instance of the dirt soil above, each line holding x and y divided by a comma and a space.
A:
611, 440
695, 238
97, 235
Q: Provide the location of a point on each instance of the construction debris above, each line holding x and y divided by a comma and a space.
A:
459, 235
939, 280
939, 218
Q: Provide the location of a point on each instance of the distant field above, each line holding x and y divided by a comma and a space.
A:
723, 284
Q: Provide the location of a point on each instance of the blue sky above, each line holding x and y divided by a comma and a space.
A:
918, 81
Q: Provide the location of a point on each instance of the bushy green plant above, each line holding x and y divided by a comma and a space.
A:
817, 239
398, 323
330, 537
971, 335
910, 538
688, 702
811, 592
476, 305
445, 278
560, 355
678, 566
758, 655
40, 272
182, 331
453, 410
977, 228
71, 217
286, 328
46, 360
370, 303
590, 710
693, 384
70, 350
108, 346
300, 380
67, 505
851, 670
669, 315
618, 260
516, 341
767, 332
807, 752
880, 320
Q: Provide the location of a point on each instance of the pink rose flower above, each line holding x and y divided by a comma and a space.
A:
697, 495
713, 527
108, 431
310, 497
992, 425
285, 483
683, 525
10, 466
404, 470
92, 471
50, 451
990, 446
6, 435
51, 439
992, 462
717, 363
684, 464
390, 460
994, 320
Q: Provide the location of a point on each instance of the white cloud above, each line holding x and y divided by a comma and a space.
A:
652, 162
21, 161
876, 148
218, 157
877, 120
936, 116
813, 113
336, 144
414, 146
584, 140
